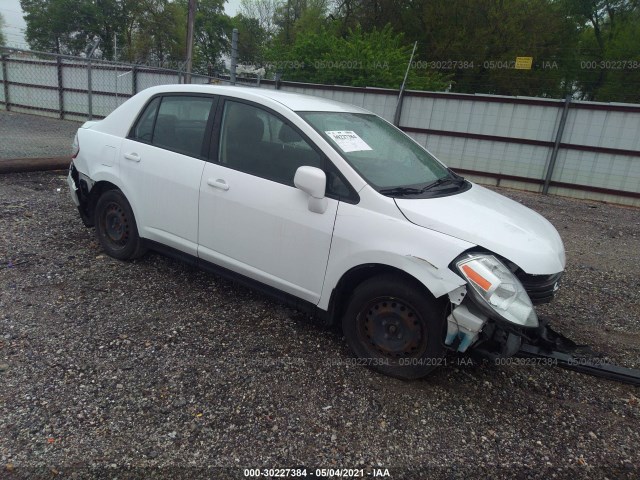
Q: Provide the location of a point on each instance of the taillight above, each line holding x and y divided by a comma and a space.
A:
75, 147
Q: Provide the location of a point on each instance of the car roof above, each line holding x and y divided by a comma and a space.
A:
294, 101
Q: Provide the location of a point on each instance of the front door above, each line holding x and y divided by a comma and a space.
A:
251, 218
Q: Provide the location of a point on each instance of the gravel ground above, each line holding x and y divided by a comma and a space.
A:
34, 136
152, 369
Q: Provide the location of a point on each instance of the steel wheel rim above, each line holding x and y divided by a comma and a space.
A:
115, 225
392, 328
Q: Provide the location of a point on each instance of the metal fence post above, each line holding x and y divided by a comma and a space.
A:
5, 81
134, 80
89, 92
117, 77
398, 113
60, 87
556, 145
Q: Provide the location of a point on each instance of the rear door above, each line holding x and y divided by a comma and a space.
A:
252, 219
162, 163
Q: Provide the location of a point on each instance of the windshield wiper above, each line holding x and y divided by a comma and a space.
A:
458, 180
401, 191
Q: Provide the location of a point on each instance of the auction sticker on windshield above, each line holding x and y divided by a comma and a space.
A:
348, 140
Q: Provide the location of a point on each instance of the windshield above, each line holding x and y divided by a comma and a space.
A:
384, 156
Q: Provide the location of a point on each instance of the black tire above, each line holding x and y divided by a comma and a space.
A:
116, 227
395, 326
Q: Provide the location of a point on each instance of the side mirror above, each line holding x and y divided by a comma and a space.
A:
313, 182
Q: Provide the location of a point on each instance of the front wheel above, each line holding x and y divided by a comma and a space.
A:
116, 227
395, 326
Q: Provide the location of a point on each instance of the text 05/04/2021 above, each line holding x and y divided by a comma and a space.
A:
378, 472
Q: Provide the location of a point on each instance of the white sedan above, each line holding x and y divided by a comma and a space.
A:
328, 207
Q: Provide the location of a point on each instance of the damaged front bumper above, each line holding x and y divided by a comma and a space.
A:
470, 330
471, 327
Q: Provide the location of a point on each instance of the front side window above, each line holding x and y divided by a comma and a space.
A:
176, 123
385, 157
255, 141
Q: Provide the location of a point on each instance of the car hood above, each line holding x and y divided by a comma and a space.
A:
494, 222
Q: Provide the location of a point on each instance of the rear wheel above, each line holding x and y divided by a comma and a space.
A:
395, 326
116, 227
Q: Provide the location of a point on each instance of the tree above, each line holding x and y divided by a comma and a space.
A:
149, 31
378, 58
289, 12
263, 11
133, 11
50, 27
211, 42
478, 41
609, 42
252, 39
622, 55
160, 34
506, 30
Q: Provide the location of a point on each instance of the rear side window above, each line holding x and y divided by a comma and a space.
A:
176, 123
144, 128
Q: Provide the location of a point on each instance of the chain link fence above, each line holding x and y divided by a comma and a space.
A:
576, 148
76, 88
73, 89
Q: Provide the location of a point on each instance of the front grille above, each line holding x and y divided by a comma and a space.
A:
541, 288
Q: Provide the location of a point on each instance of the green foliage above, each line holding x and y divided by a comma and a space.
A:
210, 37
161, 33
622, 54
477, 42
148, 31
378, 58
560, 35
609, 48
263, 11
60, 26
291, 16
587, 48
252, 39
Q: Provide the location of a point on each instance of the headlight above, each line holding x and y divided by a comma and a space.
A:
498, 288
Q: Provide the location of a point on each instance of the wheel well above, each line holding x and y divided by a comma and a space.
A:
96, 191
354, 277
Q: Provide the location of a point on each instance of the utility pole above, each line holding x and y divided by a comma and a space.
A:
96, 42
234, 56
191, 19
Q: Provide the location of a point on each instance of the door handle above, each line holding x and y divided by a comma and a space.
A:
218, 183
134, 157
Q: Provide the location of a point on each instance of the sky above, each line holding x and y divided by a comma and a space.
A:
14, 23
